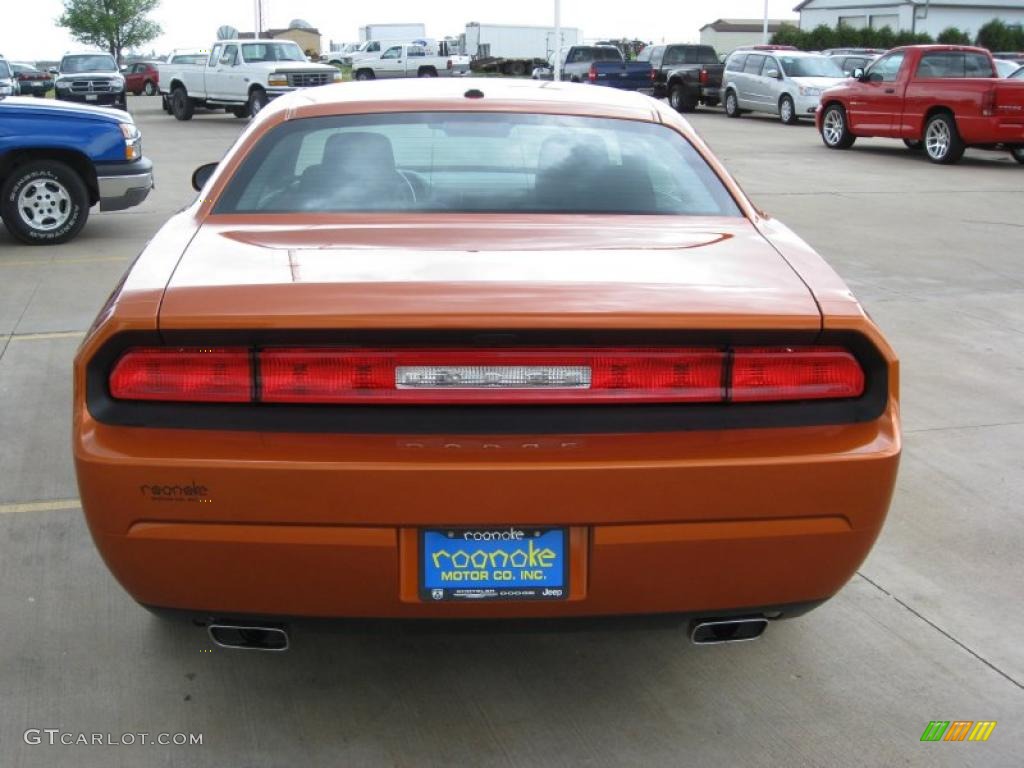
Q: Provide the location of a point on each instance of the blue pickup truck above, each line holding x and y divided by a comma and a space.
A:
599, 65
58, 159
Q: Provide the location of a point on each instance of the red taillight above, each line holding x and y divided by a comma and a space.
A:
490, 376
592, 73
188, 374
807, 373
703, 77
654, 75
988, 102
497, 376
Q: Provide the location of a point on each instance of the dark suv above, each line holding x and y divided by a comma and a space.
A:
91, 78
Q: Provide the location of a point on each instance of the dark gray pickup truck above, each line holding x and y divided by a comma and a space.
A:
688, 75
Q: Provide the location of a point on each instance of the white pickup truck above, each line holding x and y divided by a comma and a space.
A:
240, 76
411, 60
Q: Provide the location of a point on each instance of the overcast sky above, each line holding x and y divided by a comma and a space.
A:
28, 28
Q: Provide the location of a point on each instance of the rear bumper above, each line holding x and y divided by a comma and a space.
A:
327, 525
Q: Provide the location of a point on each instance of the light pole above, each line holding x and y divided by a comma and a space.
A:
556, 72
764, 29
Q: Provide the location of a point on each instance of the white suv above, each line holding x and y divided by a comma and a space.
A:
784, 83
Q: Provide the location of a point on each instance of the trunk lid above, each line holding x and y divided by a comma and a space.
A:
382, 271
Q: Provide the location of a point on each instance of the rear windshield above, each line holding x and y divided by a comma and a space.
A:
457, 162
605, 53
810, 66
189, 58
954, 64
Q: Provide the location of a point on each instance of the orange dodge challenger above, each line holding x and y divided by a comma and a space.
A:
453, 349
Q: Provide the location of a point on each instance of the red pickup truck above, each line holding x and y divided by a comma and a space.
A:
942, 98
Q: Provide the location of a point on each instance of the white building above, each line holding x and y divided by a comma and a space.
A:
930, 16
726, 35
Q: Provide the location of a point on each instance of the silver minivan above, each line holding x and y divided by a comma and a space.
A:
784, 83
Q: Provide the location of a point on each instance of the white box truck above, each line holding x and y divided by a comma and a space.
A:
513, 49
401, 32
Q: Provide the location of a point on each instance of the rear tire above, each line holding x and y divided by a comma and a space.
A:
942, 142
732, 106
182, 107
835, 131
365, 74
149, 88
787, 111
427, 72
44, 203
679, 100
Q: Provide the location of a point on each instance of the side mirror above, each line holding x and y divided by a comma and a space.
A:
53, 71
201, 175
858, 73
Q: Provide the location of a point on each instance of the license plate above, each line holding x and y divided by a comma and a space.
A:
35, 83
91, 97
510, 563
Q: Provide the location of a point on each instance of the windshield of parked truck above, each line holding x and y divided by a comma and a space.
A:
259, 52
810, 66
5, 71
473, 162
100, 62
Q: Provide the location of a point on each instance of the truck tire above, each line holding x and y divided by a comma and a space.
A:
182, 107
240, 112
787, 111
679, 99
942, 142
518, 68
427, 72
365, 74
44, 202
732, 105
1018, 154
835, 131
257, 101
149, 88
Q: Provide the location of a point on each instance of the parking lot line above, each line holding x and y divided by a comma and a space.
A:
46, 336
55, 505
51, 262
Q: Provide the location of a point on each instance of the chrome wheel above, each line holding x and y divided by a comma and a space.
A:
833, 127
732, 107
44, 205
149, 88
937, 139
786, 111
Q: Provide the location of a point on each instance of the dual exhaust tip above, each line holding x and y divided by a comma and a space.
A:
251, 637
274, 637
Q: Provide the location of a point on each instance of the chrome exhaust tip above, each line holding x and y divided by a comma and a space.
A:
714, 631
250, 637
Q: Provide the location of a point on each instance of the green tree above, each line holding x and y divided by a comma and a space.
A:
997, 35
111, 24
953, 36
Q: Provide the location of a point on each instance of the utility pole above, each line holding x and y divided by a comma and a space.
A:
259, 18
764, 29
557, 72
